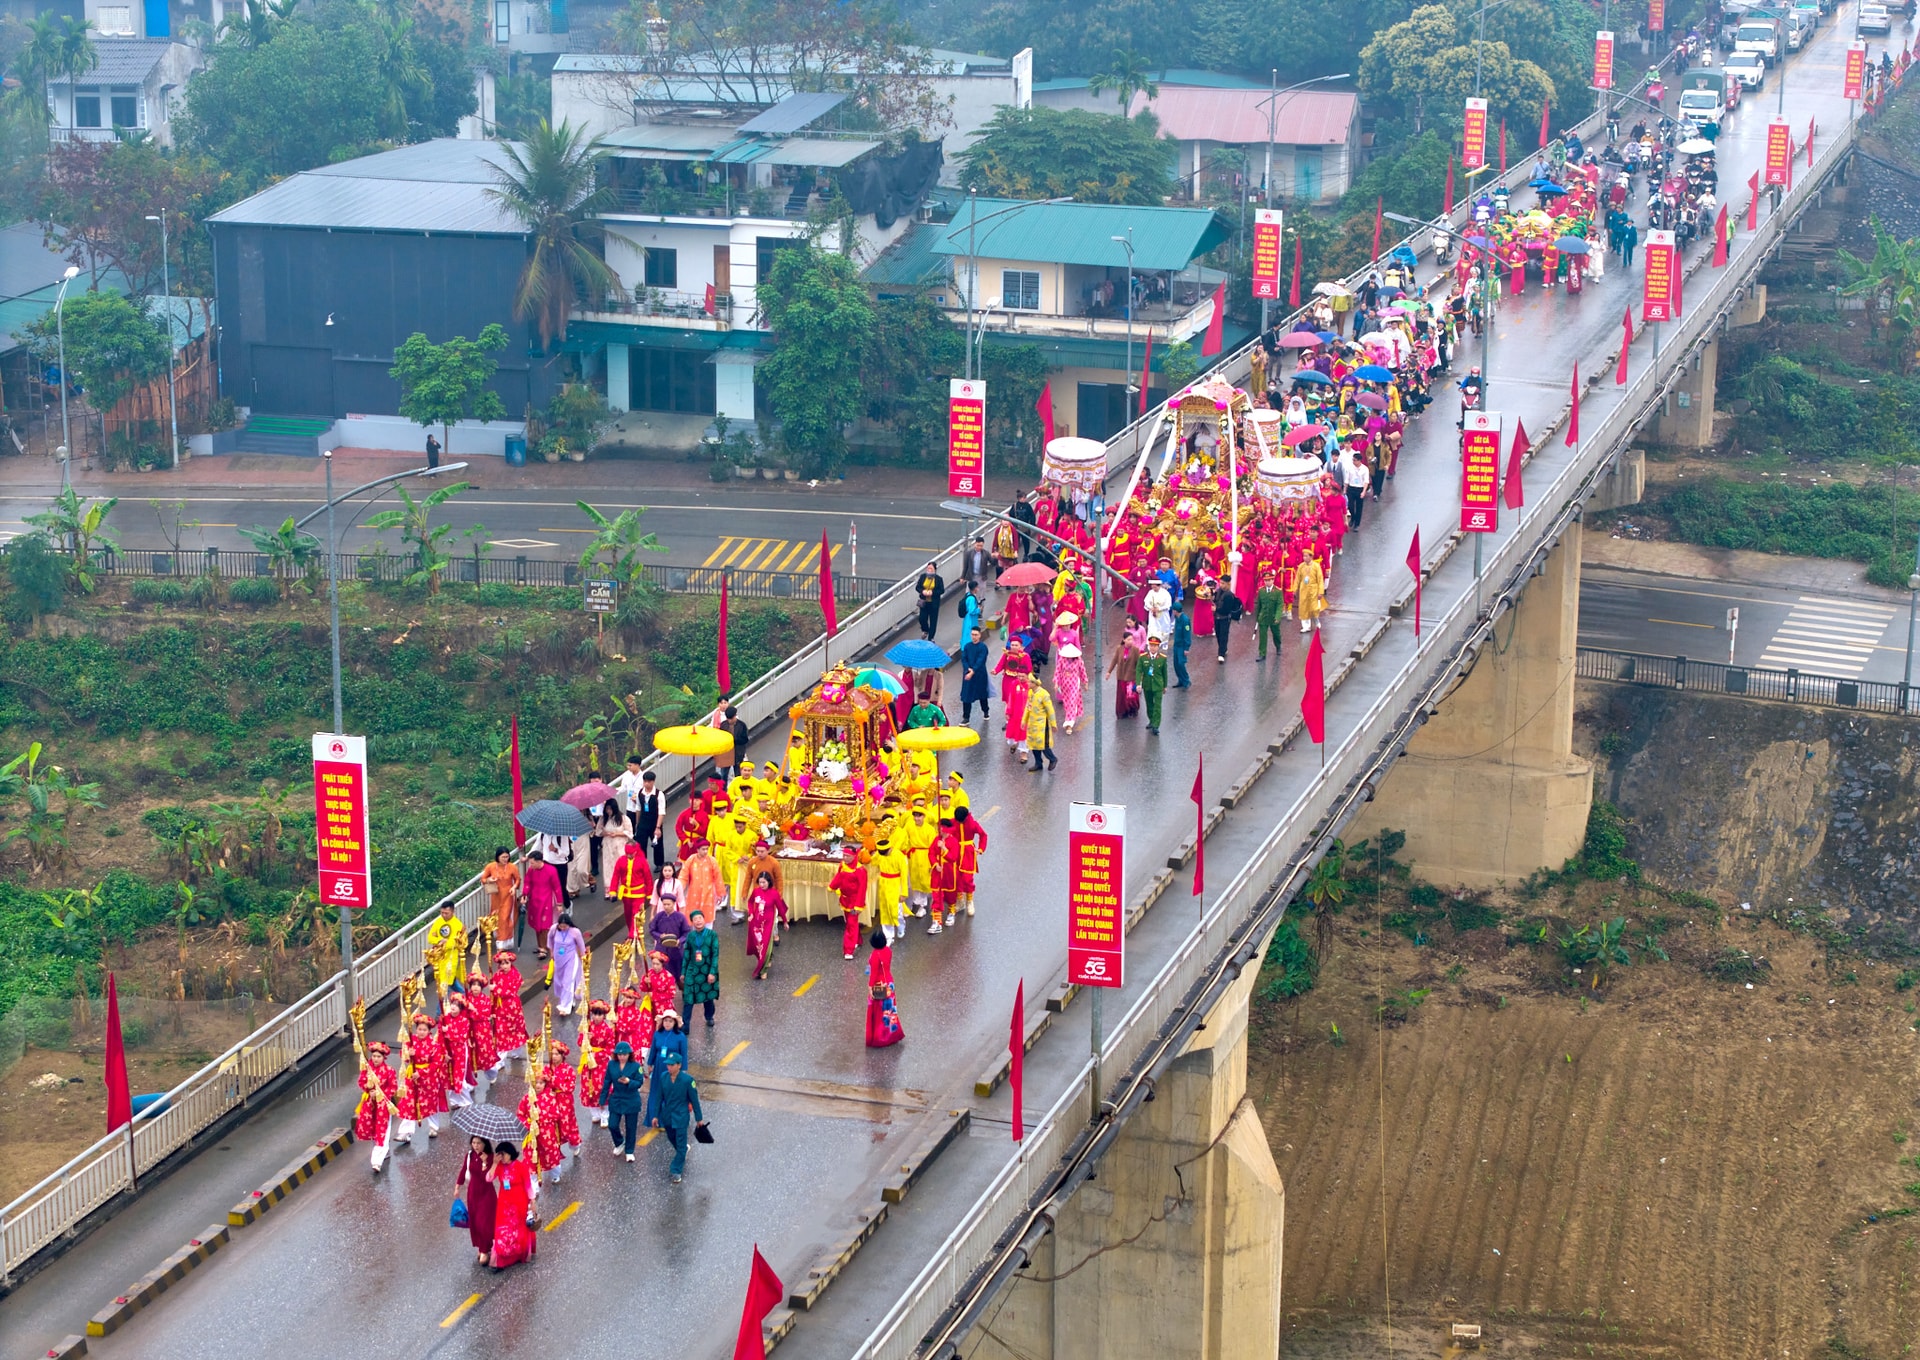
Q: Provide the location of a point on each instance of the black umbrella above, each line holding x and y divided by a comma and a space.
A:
489, 1122
550, 818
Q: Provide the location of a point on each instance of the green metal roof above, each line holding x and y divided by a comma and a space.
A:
910, 262
1181, 76
1082, 233
1079, 351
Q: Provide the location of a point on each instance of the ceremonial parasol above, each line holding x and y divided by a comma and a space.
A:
693, 742
1330, 290
919, 654
489, 1122
1305, 375
548, 818
1027, 574
1299, 340
874, 678
1373, 401
1301, 434
588, 795
937, 739
1373, 373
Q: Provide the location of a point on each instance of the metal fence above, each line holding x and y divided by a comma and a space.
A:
1749, 682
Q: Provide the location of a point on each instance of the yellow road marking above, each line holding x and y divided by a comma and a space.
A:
714, 556
806, 986
461, 1311
740, 545
647, 1137
561, 1217
219, 526
545, 530
1682, 623
735, 1052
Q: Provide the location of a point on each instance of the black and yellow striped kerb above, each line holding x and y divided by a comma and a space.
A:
293, 1174
155, 1283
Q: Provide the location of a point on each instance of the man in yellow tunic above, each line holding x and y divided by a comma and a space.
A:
920, 834
890, 877
1310, 593
446, 948
732, 845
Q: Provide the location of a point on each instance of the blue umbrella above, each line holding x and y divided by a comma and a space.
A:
1572, 245
919, 654
1373, 373
1312, 375
1550, 190
880, 680
1390, 292
1480, 242
1326, 335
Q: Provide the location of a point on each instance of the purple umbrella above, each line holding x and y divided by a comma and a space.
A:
588, 795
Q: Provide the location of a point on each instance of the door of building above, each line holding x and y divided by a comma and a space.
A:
291, 380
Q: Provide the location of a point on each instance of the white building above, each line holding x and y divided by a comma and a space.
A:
137, 85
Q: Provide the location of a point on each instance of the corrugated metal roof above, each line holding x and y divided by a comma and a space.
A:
741, 151
767, 62
911, 261
123, 61
440, 185
1239, 117
793, 113
1178, 76
1082, 233
696, 142
26, 262
826, 153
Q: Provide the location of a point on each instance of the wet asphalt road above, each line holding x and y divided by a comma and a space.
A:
805, 1116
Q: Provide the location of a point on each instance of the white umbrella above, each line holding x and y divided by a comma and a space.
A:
1330, 290
1694, 146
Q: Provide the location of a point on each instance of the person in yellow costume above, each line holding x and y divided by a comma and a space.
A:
954, 796
920, 834
747, 787
732, 845
1309, 593
924, 779
890, 870
446, 948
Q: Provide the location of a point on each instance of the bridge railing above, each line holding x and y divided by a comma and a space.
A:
1289, 851
1791, 686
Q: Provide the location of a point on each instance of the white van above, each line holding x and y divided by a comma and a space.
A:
1799, 28
1761, 36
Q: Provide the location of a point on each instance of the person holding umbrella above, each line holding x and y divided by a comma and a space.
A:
475, 1179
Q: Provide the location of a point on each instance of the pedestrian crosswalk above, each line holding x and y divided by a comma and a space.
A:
768, 554
1827, 636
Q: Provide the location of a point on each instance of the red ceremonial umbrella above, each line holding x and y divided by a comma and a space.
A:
588, 795
1299, 340
1372, 400
1027, 574
1300, 434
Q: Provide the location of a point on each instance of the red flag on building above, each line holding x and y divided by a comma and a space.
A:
1573, 416
1199, 827
1379, 209
827, 613
1146, 372
1512, 492
707, 305
1720, 238
1045, 407
1216, 328
119, 1094
1413, 565
1447, 208
764, 1292
513, 764
1313, 702
1293, 293
1753, 203
1017, 1056
1546, 116
1503, 146
1626, 338
722, 672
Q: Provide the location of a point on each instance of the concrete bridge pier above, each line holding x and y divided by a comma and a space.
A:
1489, 790
1173, 1249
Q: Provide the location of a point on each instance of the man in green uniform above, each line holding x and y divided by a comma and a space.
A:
1269, 607
1153, 680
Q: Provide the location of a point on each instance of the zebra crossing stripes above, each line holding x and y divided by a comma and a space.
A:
1827, 636
767, 554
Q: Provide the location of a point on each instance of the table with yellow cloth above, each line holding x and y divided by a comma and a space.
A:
804, 880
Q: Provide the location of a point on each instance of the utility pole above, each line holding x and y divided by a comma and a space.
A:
166, 286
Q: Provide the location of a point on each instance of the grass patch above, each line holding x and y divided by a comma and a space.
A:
1874, 525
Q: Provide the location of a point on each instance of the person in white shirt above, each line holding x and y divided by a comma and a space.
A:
1159, 606
1356, 477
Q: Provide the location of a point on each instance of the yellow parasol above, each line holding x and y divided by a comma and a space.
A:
693, 742
937, 739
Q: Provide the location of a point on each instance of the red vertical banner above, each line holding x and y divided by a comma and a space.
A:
1810, 131
513, 760
1293, 292
764, 1292
119, 1093
1503, 146
1096, 894
343, 847
1656, 16
1016, 1057
1546, 123
1266, 253
1146, 372
1514, 493
1044, 406
1779, 153
1656, 295
1413, 565
1313, 696
1603, 60
1446, 208
1200, 827
967, 438
1854, 82
1480, 473
1573, 411
829, 610
1720, 238
1215, 339
1753, 203
1473, 141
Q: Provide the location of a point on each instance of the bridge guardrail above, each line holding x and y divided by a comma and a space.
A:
1297, 837
1793, 686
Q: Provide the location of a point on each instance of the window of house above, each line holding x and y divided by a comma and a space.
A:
502, 21
671, 380
115, 21
86, 107
126, 107
1020, 289
663, 267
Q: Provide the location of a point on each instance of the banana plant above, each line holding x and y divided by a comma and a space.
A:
414, 520
617, 548
81, 527
288, 551
45, 829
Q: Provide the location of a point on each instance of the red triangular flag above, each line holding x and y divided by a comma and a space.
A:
1503, 146
119, 1094
722, 672
764, 1292
1753, 204
1293, 293
1720, 238
707, 305
1573, 416
1413, 565
1045, 407
1513, 494
1810, 130
513, 768
1313, 702
1146, 370
1679, 282
1626, 340
827, 612
1446, 209
1017, 1053
1546, 114
1216, 328
1199, 827
1379, 208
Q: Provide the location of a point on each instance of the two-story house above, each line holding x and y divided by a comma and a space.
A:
136, 86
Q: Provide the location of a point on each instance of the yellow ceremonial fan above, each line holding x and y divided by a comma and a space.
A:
937, 739
692, 741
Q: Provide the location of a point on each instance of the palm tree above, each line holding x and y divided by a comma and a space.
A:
1128, 76
256, 22
399, 70
37, 61
76, 56
549, 186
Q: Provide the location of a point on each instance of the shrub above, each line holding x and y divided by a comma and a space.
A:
720, 470
1604, 855
1288, 968
254, 590
1737, 965
154, 590
1465, 914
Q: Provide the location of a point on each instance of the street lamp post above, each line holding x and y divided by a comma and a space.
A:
1126, 243
1913, 609
166, 286
1272, 101
60, 332
973, 262
333, 624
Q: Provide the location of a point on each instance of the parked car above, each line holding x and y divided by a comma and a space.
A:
1750, 67
1873, 19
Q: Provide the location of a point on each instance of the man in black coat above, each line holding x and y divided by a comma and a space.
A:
931, 588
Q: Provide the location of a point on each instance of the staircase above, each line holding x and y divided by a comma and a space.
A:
295, 435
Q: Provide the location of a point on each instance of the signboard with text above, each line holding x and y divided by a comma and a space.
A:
1779, 154
1480, 473
599, 597
1656, 297
1096, 894
967, 438
1473, 145
1855, 80
343, 848
1266, 253
1603, 60
1656, 16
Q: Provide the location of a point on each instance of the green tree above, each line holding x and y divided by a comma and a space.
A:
402, 76
1890, 280
75, 54
37, 62
1129, 75
1596, 949
1051, 153
288, 551
444, 383
414, 520
255, 22
112, 346
822, 323
549, 187
618, 548
1015, 375
915, 351
36, 579
81, 525
1427, 65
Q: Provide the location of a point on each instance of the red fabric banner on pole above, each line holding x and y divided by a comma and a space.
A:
1413, 565
722, 672
1473, 136
1512, 493
513, 762
1268, 226
1216, 328
1573, 416
1720, 239
119, 1094
1446, 209
1753, 203
1017, 1055
1379, 208
827, 612
1146, 372
1546, 118
1199, 828
764, 1292
1626, 342
1293, 293
1313, 703
1045, 407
